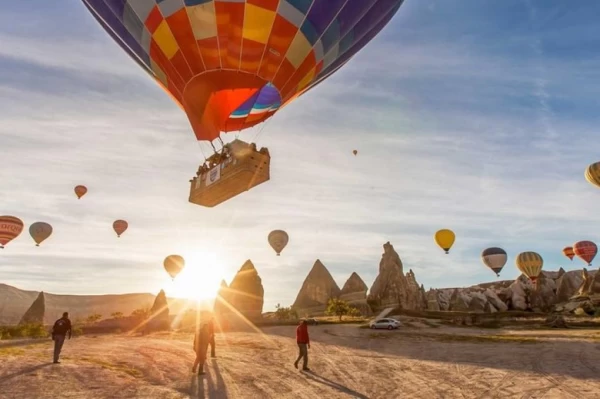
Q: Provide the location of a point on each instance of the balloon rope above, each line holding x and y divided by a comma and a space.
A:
262, 128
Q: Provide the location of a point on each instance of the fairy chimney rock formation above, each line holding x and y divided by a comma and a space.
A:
354, 289
35, 313
392, 288
318, 287
159, 313
246, 293
222, 298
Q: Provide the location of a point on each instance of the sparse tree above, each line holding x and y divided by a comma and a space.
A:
283, 313
141, 313
354, 312
338, 307
91, 319
117, 315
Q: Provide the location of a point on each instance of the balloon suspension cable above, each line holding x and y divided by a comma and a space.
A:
201, 150
222, 144
262, 128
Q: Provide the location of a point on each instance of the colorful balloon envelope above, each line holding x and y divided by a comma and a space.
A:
119, 226
494, 258
10, 228
40, 231
592, 174
278, 239
174, 264
585, 250
80, 191
233, 64
530, 264
568, 252
445, 239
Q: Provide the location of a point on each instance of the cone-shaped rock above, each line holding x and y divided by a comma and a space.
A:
159, 313
35, 313
392, 288
317, 289
222, 299
354, 289
246, 293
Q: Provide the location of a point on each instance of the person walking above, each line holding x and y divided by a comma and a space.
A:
60, 329
201, 340
211, 331
303, 341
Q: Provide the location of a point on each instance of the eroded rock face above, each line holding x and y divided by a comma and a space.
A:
392, 288
222, 299
35, 313
246, 293
354, 289
318, 287
159, 313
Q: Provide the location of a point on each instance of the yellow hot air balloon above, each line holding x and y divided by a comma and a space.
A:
40, 231
278, 240
174, 264
119, 226
592, 174
530, 264
445, 239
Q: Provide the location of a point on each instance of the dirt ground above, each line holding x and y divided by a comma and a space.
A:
346, 362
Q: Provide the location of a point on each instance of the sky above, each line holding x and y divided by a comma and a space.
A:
475, 115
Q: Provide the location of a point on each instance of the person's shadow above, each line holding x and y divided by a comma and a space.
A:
23, 371
322, 380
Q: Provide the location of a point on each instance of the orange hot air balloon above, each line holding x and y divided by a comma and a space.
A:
568, 252
174, 264
120, 226
80, 191
585, 250
10, 228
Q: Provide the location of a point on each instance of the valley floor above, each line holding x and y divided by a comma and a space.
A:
346, 362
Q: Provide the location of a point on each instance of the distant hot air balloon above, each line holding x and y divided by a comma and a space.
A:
120, 226
568, 252
592, 174
530, 264
355, 152
80, 191
445, 239
494, 258
174, 264
278, 240
10, 228
40, 231
585, 250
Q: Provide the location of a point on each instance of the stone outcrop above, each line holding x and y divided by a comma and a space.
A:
222, 299
392, 288
316, 291
246, 293
354, 292
35, 313
158, 319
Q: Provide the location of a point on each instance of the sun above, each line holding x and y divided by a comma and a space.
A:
200, 279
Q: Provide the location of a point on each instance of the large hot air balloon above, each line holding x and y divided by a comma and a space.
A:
119, 226
278, 239
494, 258
585, 250
230, 65
10, 228
530, 264
592, 174
445, 239
80, 191
40, 231
174, 264
568, 252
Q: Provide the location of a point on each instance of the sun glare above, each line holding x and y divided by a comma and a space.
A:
199, 280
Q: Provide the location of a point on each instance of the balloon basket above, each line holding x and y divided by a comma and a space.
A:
244, 169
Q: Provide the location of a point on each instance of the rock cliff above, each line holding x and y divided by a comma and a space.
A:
35, 313
222, 299
318, 287
159, 313
394, 289
246, 293
354, 292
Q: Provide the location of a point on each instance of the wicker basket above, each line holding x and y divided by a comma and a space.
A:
242, 171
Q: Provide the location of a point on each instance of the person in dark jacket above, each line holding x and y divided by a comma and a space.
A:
60, 329
211, 331
201, 340
303, 342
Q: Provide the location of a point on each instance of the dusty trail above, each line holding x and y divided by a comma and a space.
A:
346, 362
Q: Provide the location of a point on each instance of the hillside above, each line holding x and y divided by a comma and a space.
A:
14, 302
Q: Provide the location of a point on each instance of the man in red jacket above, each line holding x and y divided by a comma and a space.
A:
303, 345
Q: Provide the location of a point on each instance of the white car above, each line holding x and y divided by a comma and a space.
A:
390, 324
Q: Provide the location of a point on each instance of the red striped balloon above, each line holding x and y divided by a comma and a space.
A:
120, 226
585, 250
10, 228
